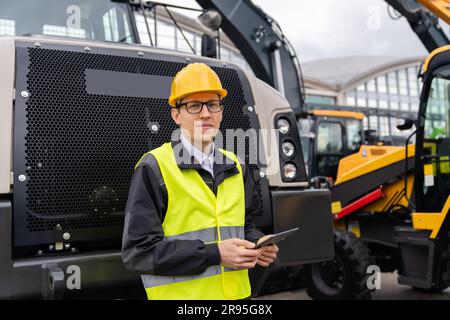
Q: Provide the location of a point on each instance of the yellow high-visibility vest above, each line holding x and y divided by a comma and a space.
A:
194, 212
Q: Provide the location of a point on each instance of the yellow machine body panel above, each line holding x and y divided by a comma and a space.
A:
339, 114
431, 220
393, 196
369, 159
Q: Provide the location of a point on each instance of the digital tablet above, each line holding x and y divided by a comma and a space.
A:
275, 238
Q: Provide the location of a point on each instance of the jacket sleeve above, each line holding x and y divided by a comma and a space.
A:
144, 248
252, 233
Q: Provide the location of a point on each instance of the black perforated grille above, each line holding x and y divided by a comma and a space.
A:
80, 148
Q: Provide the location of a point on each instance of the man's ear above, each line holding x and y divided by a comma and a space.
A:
175, 115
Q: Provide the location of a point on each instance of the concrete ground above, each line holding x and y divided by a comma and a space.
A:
390, 290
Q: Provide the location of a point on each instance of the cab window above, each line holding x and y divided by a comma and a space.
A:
329, 137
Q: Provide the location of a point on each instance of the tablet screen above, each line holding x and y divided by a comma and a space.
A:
275, 238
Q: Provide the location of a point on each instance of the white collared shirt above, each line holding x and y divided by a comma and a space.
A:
206, 161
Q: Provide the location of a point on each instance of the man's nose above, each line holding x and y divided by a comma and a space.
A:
204, 113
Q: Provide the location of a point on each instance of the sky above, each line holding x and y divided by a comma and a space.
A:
336, 28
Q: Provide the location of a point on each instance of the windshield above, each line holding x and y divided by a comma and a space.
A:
100, 20
437, 122
353, 135
329, 137
436, 146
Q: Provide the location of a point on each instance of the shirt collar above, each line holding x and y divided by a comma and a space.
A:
196, 153
223, 167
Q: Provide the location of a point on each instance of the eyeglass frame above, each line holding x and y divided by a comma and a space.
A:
203, 104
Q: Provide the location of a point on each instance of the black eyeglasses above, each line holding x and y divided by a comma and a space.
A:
197, 106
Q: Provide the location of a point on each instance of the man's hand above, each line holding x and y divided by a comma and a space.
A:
238, 254
267, 256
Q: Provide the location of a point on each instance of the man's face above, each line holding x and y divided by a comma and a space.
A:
200, 127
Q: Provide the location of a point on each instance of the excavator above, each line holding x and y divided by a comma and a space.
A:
391, 203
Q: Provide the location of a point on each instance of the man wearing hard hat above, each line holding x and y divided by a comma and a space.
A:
187, 230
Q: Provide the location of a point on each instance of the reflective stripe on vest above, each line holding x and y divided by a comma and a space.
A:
209, 235
195, 213
154, 281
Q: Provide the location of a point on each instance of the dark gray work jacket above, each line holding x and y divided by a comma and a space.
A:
145, 250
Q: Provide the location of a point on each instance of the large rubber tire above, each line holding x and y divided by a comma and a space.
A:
345, 277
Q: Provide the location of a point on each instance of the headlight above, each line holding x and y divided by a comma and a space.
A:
283, 125
290, 171
288, 149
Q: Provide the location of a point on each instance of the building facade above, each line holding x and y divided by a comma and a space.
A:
384, 88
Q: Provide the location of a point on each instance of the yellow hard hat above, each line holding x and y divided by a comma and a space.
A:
195, 77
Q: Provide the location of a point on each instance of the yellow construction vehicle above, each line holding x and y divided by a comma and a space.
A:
391, 203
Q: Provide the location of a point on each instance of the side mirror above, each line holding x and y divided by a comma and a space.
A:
209, 47
404, 124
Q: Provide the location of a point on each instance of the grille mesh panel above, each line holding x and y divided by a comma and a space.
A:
80, 148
